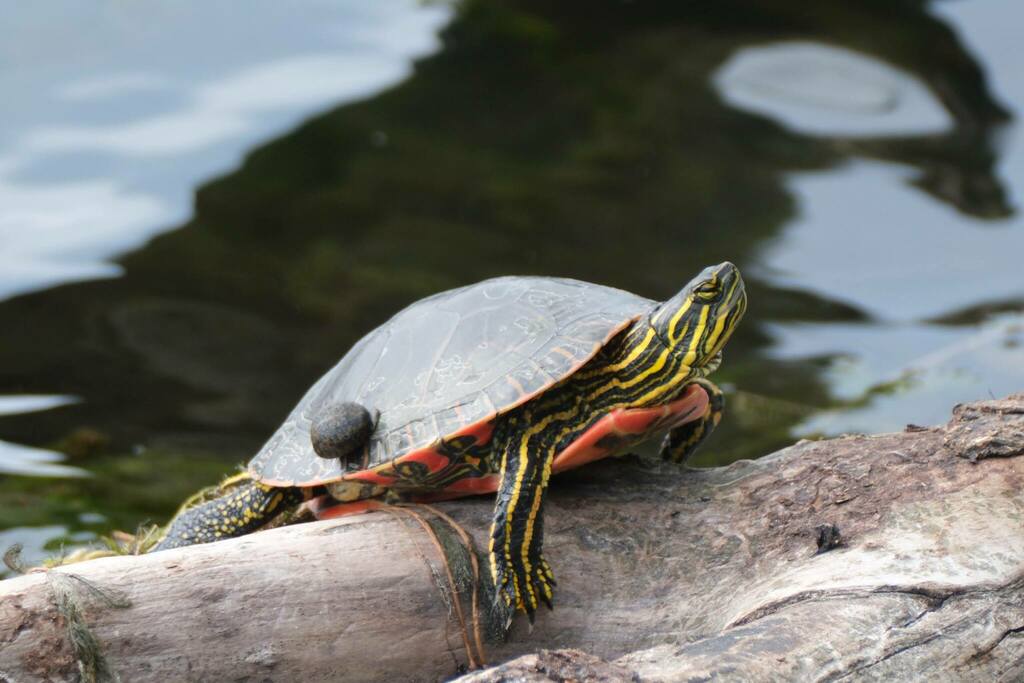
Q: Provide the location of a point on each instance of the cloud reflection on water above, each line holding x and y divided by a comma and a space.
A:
822, 89
154, 132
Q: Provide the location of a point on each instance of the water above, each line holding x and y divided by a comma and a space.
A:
201, 211
112, 115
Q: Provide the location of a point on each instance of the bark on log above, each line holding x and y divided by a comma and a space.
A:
662, 575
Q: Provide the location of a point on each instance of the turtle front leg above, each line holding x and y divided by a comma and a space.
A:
522, 577
681, 442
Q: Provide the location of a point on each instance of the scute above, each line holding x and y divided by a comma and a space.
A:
449, 361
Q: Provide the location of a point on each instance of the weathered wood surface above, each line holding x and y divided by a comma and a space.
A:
663, 575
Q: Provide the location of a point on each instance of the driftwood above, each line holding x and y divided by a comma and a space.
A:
865, 557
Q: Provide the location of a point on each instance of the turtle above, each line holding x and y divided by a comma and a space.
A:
491, 387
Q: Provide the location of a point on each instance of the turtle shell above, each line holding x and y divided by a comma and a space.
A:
450, 363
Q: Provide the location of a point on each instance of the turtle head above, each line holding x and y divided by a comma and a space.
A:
697, 322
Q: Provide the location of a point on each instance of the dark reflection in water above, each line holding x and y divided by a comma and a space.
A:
579, 139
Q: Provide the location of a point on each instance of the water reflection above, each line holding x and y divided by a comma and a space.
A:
23, 460
34, 462
818, 89
34, 542
14, 405
224, 109
108, 126
883, 377
898, 256
578, 139
865, 237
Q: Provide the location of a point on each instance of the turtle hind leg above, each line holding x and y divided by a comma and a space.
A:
244, 508
681, 442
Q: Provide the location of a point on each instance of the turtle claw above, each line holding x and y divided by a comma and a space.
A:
526, 596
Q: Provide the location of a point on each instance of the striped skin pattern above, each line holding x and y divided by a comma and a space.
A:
649, 364
682, 441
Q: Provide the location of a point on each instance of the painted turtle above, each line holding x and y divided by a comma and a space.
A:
491, 387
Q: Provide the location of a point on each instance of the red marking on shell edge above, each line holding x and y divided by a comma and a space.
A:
627, 423
481, 431
429, 456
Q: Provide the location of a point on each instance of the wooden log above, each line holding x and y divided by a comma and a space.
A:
663, 574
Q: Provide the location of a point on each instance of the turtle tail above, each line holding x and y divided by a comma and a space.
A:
244, 507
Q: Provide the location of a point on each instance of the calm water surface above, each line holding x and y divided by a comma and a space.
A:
201, 211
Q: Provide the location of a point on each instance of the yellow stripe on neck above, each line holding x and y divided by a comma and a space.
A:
672, 336
695, 339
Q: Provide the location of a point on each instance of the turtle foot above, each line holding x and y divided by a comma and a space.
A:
526, 586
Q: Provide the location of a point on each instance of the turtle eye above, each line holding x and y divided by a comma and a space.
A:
707, 291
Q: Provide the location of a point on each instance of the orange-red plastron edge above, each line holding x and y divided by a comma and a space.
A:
434, 461
629, 423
